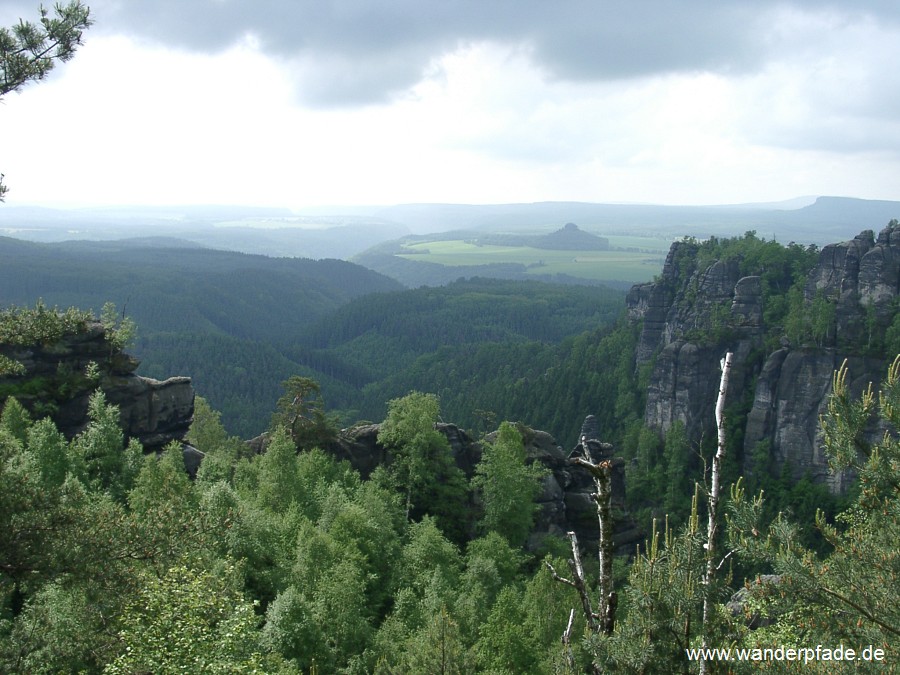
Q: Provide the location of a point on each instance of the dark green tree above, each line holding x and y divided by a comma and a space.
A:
301, 411
677, 459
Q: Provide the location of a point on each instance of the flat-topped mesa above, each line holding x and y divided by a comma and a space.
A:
60, 375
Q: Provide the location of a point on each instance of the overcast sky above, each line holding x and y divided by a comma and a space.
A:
309, 102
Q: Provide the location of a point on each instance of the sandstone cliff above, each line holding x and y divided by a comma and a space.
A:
56, 381
692, 314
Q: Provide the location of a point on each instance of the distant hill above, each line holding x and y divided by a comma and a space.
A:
804, 221
567, 238
570, 238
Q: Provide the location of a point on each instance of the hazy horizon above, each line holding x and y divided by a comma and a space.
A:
390, 102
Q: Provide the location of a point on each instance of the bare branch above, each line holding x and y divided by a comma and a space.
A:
557, 577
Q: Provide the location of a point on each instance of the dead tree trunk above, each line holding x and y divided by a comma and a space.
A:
602, 620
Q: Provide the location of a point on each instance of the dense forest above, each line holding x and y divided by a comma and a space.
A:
290, 562
218, 315
240, 325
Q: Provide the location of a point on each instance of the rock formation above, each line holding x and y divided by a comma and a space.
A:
690, 319
565, 502
151, 411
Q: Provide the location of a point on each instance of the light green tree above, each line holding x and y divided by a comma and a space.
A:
437, 648
503, 647
220, 451
67, 554
409, 433
120, 329
292, 628
166, 523
189, 621
428, 558
15, 420
422, 463
323, 618
109, 463
279, 485
508, 486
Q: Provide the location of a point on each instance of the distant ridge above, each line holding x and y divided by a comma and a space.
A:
820, 221
346, 231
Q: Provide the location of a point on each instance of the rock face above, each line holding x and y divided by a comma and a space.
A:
151, 411
791, 395
679, 315
564, 502
691, 320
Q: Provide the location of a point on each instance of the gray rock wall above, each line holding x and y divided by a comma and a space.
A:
790, 397
790, 387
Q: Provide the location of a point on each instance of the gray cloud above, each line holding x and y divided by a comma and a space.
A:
372, 49
369, 50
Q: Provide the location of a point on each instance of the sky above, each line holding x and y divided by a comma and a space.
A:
299, 103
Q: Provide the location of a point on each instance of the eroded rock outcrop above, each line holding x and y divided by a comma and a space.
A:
690, 318
565, 502
58, 380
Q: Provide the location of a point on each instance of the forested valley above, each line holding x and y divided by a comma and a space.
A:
292, 561
240, 325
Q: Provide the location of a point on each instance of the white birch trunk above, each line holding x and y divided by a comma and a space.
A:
713, 524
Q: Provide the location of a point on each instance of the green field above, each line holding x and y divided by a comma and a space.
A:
617, 264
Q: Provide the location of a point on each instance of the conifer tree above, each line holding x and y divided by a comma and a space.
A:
28, 51
850, 595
